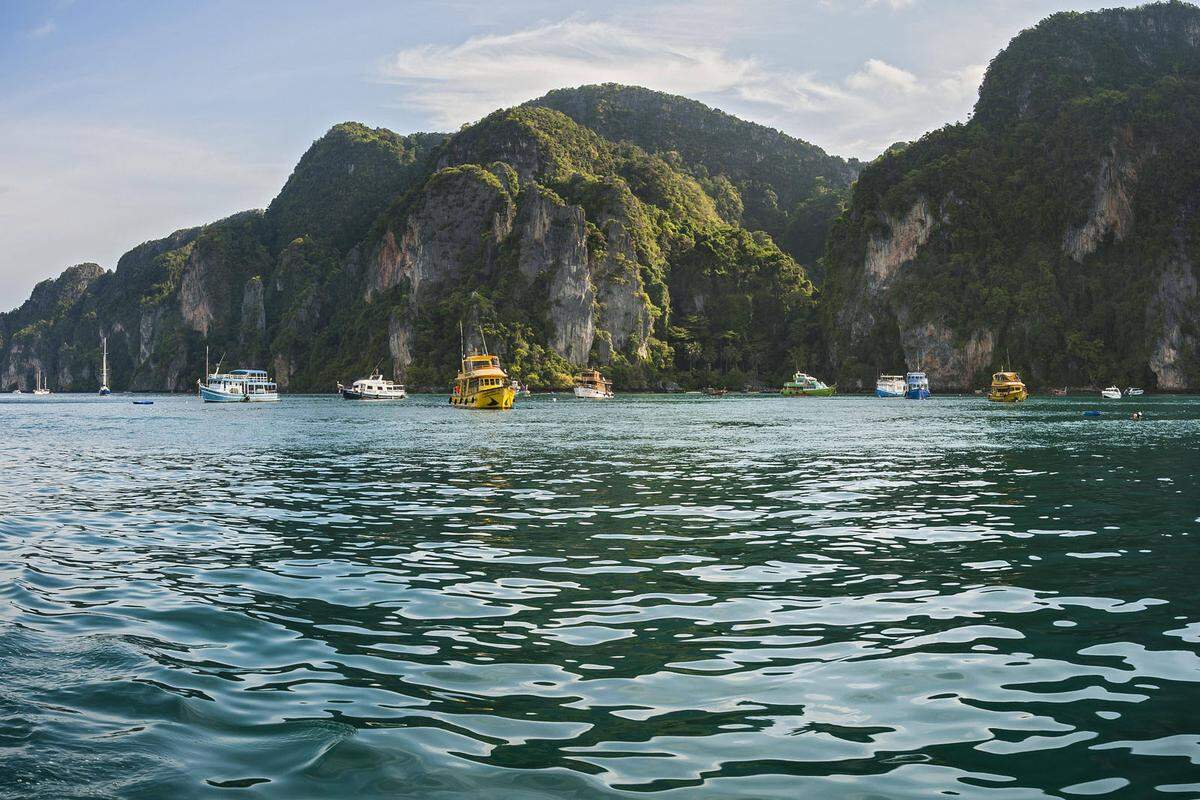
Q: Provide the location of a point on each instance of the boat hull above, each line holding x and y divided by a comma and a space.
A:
592, 394
105, 391
887, 393
350, 394
496, 398
213, 396
795, 391
917, 394
1110, 395
1008, 396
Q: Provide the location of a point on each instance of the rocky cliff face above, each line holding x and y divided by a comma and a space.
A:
1053, 234
540, 234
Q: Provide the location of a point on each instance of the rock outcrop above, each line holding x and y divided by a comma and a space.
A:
1054, 233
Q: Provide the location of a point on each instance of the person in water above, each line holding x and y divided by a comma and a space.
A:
1137, 415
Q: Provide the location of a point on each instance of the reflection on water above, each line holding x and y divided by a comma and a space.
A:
690, 597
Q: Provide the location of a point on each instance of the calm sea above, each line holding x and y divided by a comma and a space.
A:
667, 597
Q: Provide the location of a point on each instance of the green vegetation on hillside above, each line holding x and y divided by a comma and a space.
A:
1061, 111
759, 177
343, 181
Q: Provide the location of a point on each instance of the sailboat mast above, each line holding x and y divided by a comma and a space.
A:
104, 361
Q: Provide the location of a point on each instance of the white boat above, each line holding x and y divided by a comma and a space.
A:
104, 390
1133, 391
373, 388
238, 386
591, 385
890, 386
1111, 393
916, 386
39, 387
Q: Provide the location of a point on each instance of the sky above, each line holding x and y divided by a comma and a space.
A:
121, 122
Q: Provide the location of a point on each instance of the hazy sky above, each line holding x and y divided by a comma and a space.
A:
123, 121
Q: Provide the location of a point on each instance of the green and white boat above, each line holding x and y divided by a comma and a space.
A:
802, 385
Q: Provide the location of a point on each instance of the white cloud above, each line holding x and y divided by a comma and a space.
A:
463, 82
858, 114
45, 29
876, 75
77, 193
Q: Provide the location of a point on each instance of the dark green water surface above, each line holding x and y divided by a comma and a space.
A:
668, 597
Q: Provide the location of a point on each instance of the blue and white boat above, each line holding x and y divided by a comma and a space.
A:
238, 386
889, 386
916, 386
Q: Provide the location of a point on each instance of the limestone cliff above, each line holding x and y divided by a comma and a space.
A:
543, 236
1055, 233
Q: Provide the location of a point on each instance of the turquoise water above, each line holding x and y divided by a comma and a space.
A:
674, 597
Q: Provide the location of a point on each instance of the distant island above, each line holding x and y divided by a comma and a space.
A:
1055, 232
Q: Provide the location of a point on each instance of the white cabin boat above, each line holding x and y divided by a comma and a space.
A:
591, 385
238, 386
1134, 391
373, 388
890, 386
1111, 393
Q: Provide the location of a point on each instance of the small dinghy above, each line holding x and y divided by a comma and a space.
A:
143, 402
1091, 413
1111, 393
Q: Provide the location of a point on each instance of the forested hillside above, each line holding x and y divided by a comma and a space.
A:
1055, 232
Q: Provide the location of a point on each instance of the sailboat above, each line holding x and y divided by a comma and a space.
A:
39, 386
104, 390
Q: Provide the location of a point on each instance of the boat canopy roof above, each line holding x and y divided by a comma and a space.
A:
258, 373
911, 375
1006, 376
482, 366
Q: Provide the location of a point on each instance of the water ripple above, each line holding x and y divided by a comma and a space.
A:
692, 598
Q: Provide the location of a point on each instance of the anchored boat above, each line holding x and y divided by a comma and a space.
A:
39, 385
1007, 387
889, 386
1111, 393
802, 385
238, 386
104, 390
481, 383
916, 386
591, 385
373, 388
1133, 391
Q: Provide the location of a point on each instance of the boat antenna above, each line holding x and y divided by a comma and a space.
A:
206, 362
484, 338
462, 340
220, 361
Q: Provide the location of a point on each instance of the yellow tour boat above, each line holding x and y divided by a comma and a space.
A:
481, 383
1007, 388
